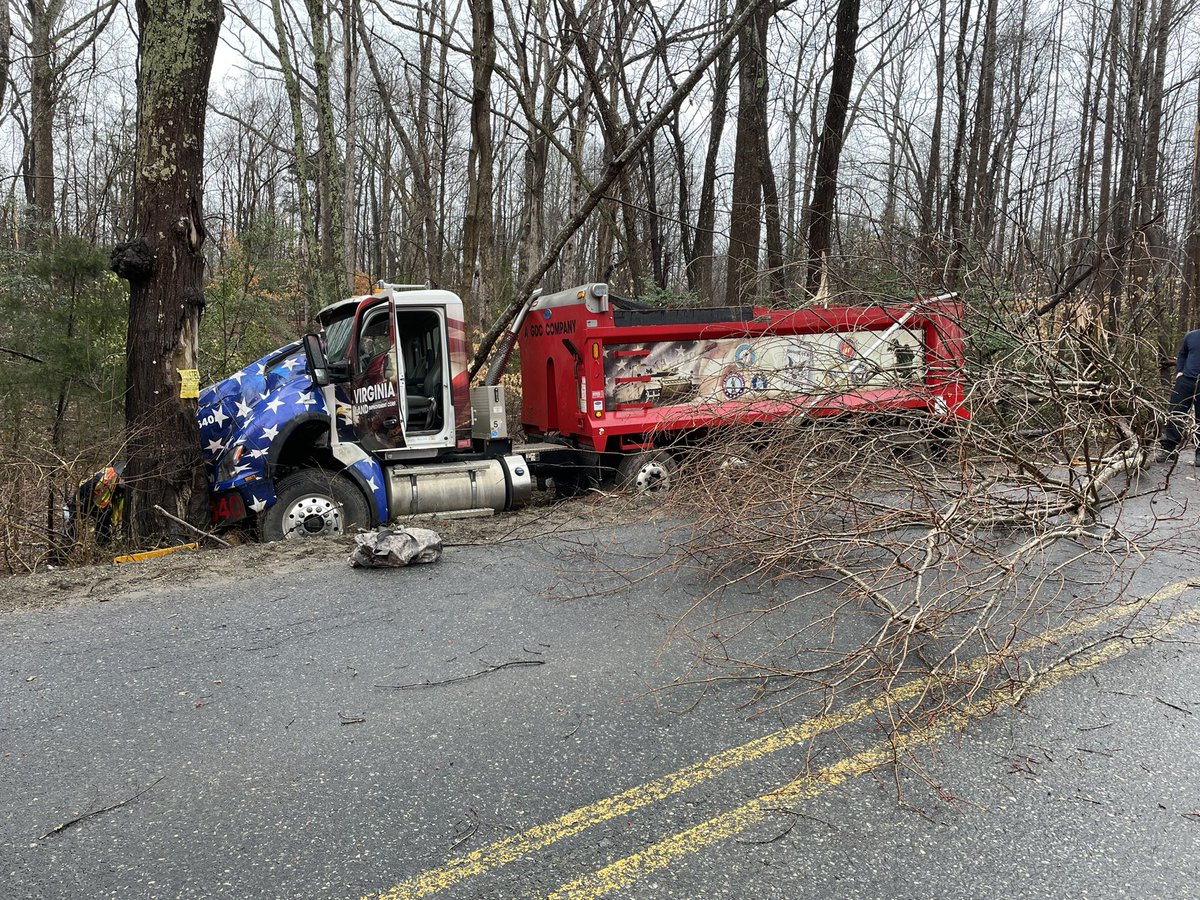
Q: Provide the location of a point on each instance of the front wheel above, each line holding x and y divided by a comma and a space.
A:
314, 503
653, 472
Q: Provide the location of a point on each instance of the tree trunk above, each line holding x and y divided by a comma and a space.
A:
776, 273
329, 169
979, 167
308, 272
41, 114
349, 165
1190, 312
659, 259
572, 262
1108, 141
163, 260
5, 50
700, 264
478, 267
745, 211
795, 192
1130, 156
931, 224
1149, 190
683, 203
954, 205
820, 217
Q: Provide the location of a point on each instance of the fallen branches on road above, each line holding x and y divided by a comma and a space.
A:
511, 664
845, 557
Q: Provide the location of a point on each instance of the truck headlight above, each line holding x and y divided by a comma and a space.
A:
226, 469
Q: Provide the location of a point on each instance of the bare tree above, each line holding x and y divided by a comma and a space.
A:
479, 259
745, 216
330, 174
53, 42
700, 259
832, 138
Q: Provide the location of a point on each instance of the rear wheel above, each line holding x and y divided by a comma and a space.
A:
314, 503
570, 483
652, 472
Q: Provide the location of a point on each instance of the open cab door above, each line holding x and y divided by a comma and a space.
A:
377, 383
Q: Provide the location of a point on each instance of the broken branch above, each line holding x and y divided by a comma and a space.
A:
192, 528
511, 664
95, 812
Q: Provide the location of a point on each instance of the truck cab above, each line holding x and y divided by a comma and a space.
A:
399, 361
366, 421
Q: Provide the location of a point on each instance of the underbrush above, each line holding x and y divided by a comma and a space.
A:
35, 490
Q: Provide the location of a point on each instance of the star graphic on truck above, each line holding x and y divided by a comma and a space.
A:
271, 433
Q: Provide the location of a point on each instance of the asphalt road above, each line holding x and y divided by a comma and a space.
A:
268, 738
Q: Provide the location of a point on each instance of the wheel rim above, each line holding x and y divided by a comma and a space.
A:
652, 478
312, 516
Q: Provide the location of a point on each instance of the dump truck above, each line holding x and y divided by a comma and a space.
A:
372, 419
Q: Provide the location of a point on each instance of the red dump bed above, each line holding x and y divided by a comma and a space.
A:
611, 376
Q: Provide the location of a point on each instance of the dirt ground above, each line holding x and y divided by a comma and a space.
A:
103, 582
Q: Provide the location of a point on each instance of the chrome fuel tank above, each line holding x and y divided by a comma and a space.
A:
496, 484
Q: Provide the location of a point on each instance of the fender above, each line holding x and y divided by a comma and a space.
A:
360, 467
364, 468
285, 435
368, 475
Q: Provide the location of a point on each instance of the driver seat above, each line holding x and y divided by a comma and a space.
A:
423, 407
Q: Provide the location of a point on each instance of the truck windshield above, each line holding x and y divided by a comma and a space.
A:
337, 336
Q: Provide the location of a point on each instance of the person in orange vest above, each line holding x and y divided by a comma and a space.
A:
102, 499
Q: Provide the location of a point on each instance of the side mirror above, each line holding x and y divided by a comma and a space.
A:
320, 370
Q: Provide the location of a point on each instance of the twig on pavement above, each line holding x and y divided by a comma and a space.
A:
511, 664
103, 809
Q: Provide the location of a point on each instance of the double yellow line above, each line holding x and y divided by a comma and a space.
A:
625, 871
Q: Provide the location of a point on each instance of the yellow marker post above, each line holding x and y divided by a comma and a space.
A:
189, 384
152, 554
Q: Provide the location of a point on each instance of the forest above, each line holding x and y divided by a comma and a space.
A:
1043, 159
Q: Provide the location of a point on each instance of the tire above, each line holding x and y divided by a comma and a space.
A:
942, 444
314, 503
651, 473
571, 482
